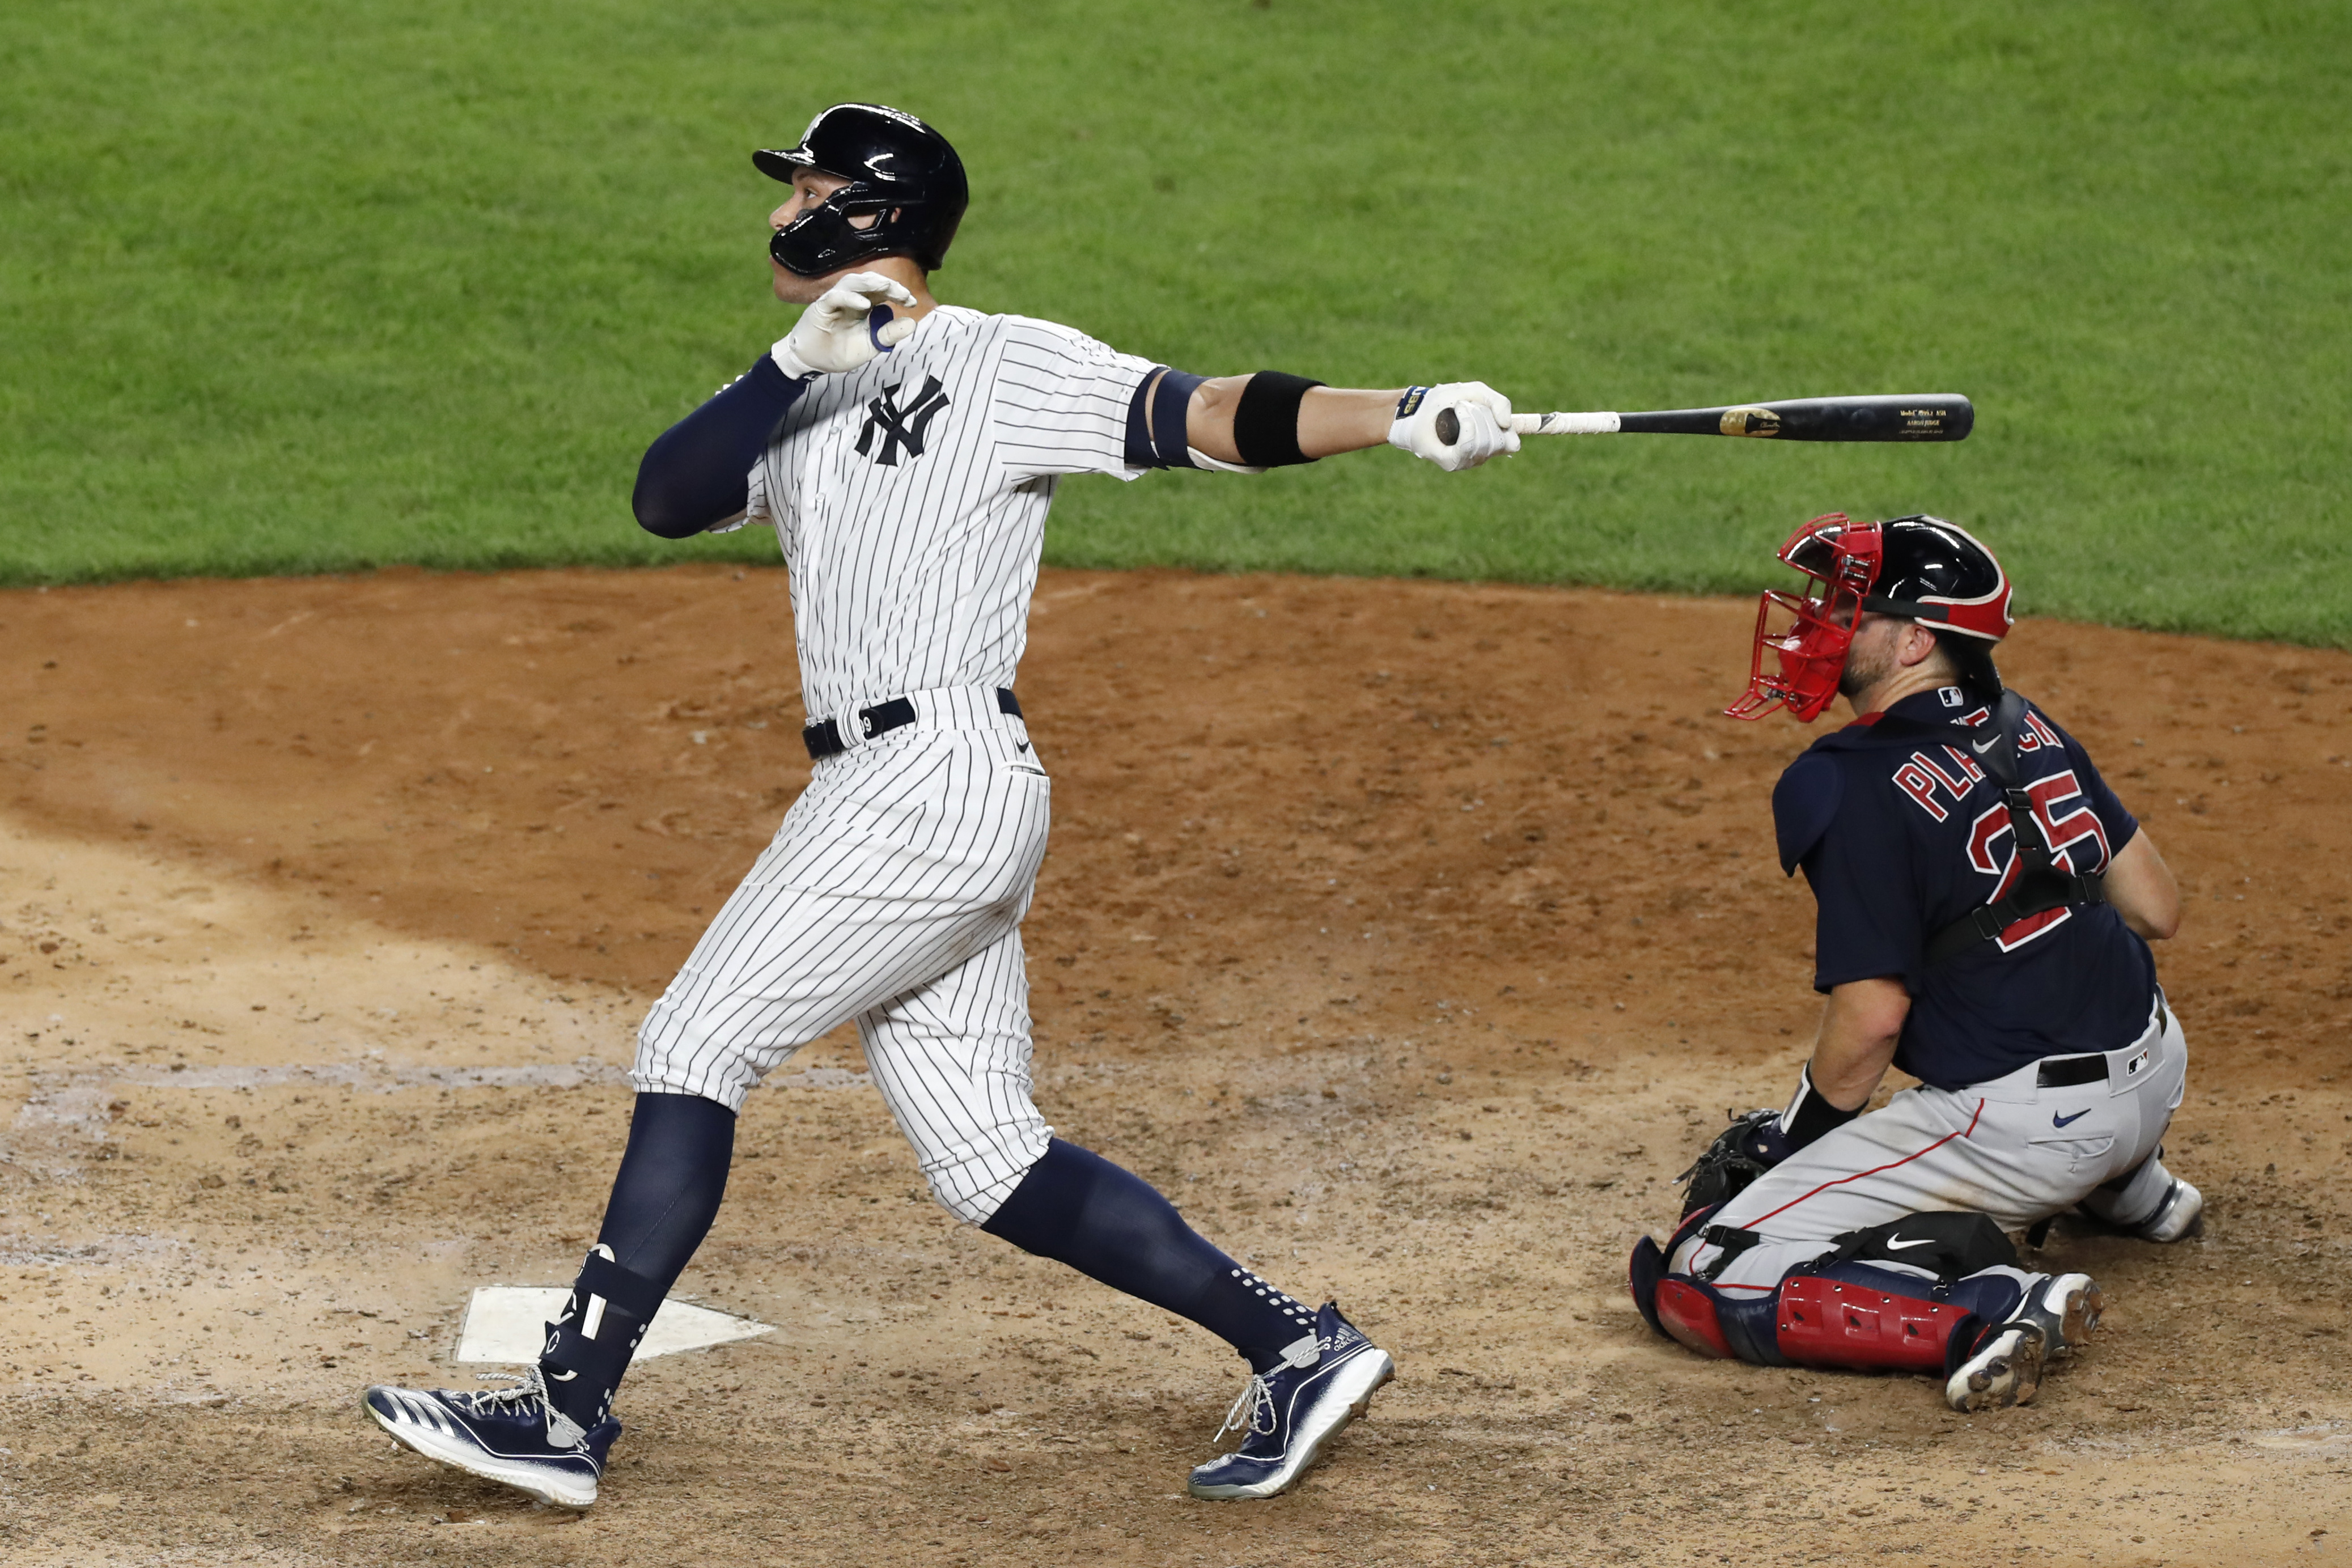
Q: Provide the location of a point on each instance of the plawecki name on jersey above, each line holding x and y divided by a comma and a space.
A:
910, 495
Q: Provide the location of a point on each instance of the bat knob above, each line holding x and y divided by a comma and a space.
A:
1449, 426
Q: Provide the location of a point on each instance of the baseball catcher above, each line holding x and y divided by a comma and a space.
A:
1985, 905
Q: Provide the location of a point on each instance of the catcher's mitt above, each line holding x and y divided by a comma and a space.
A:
1742, 1152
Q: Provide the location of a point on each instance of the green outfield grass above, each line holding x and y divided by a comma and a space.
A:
293, 286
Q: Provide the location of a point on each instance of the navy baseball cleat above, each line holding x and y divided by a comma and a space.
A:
508, 1435
1287, 1416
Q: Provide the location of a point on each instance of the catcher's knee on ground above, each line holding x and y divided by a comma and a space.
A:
1859, 1306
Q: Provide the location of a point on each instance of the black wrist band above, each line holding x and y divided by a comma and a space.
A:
1810, 1116
1265, 421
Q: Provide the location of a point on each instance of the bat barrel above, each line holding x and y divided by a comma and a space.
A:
1911, 416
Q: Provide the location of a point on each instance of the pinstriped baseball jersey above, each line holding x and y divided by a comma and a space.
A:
910, 499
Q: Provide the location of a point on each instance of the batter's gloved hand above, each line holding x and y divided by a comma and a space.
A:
1456, 425
849, 324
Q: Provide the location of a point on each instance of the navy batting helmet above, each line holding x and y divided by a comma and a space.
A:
901, 173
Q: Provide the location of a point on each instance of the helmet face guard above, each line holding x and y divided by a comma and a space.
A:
1802, 638
822, 239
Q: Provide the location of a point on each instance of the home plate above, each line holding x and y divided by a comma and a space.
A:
508, 1323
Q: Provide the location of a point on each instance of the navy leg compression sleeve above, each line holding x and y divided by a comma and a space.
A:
1079, 1208
670, 1182
664, 1199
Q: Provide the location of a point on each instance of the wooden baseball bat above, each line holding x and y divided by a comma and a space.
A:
1914, 416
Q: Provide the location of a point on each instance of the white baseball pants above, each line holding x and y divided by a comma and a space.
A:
2010, 1147
893, 895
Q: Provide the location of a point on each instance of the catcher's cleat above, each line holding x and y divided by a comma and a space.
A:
508, 1435
2067, 1309
2181, 1214
2004, 1370
1287, 1416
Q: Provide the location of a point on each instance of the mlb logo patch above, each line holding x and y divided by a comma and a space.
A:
1952, 696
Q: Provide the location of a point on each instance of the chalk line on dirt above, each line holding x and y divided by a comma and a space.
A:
83, 1102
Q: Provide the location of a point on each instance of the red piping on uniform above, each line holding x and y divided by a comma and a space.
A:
1858, 1175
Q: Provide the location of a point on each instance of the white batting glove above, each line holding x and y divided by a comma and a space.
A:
848, 325
1474, 415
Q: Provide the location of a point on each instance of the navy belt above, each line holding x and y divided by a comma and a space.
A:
824, 740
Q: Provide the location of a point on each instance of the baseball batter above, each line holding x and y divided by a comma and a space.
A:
1985, 905
906, 453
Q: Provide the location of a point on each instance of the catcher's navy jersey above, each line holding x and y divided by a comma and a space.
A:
1900, 832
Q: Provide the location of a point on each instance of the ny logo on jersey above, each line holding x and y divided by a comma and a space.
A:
900, 426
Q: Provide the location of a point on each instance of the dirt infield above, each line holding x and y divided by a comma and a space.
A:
1411, 936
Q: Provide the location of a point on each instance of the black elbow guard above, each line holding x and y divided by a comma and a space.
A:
1265, 421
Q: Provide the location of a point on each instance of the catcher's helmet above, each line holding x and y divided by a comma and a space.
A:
900, 171
1930, 571
1919, 567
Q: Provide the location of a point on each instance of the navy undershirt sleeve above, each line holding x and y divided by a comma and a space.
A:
696, 472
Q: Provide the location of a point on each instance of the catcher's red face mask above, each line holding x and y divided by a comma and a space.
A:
1802, 638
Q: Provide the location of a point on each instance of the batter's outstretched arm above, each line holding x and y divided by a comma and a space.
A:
1273, 419
1330, 419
